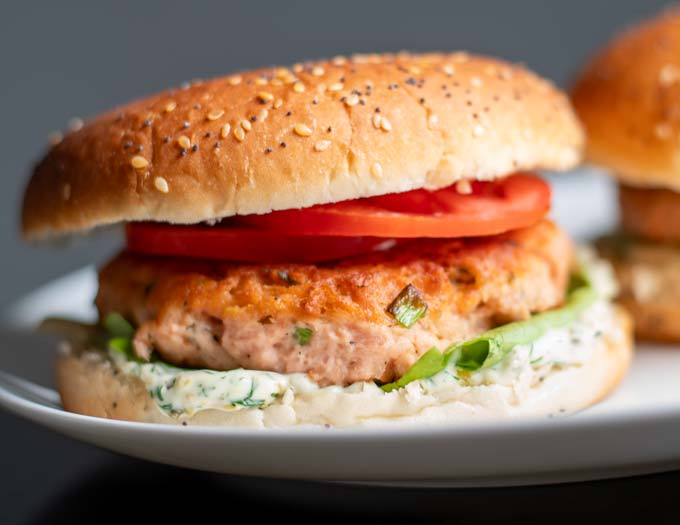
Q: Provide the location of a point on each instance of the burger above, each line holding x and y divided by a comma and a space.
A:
359, 241
628, 97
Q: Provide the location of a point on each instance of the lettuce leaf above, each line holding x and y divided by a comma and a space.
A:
494, 345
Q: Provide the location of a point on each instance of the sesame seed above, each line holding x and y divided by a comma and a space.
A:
339, 60
505, 73
663, 130
261, 81
139, 162
161, 184
147, 123
669, 75
432, 121
264, 114
278, 103
265, 97
464, 187
215, 114
184, 141
297, 68
55, 138
385, 124
170, 106
246, 125
460, 57
75, 124
239, 134
476, 82
186, 124
337, 86
225, 130
415, 70
352, 100
377, 120
298, 87
303, 130
322, 145
235, 80
448, 69
478, 130
376, 170
317, 71
276, 82
183, 152
281, 72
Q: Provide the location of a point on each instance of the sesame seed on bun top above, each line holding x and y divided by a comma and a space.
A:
628, 97
282, 138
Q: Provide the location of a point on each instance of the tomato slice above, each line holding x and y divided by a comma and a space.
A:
245, 244
493, 207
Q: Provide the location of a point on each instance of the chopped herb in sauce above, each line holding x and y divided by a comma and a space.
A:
408, 307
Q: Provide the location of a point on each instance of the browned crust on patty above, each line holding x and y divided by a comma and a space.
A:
649, 277
650, 213
220, 315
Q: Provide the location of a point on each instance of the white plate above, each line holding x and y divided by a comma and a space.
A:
636, 430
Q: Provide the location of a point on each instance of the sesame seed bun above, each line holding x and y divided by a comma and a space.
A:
628, 98
289, 138
90, 385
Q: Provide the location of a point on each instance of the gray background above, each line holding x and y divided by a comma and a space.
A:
64, 59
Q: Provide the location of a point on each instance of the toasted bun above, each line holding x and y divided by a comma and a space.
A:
376, 124
628, 98
88, 385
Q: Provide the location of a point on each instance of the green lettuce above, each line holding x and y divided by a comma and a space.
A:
494, 345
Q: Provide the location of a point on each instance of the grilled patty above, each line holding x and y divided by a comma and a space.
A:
331, 320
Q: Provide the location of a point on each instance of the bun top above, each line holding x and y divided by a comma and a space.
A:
628, 98
316, 133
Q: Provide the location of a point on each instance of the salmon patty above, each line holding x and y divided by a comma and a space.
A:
331, 320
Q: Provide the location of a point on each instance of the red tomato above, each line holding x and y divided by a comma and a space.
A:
492, 207
244, 244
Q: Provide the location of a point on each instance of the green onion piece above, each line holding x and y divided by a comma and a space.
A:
286, 278
408, 306
302, 335
117, 326
491, 347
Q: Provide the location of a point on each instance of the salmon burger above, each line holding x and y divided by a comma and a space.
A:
628, 97
357, 241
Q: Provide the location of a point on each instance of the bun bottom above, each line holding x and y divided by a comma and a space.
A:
90, 385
